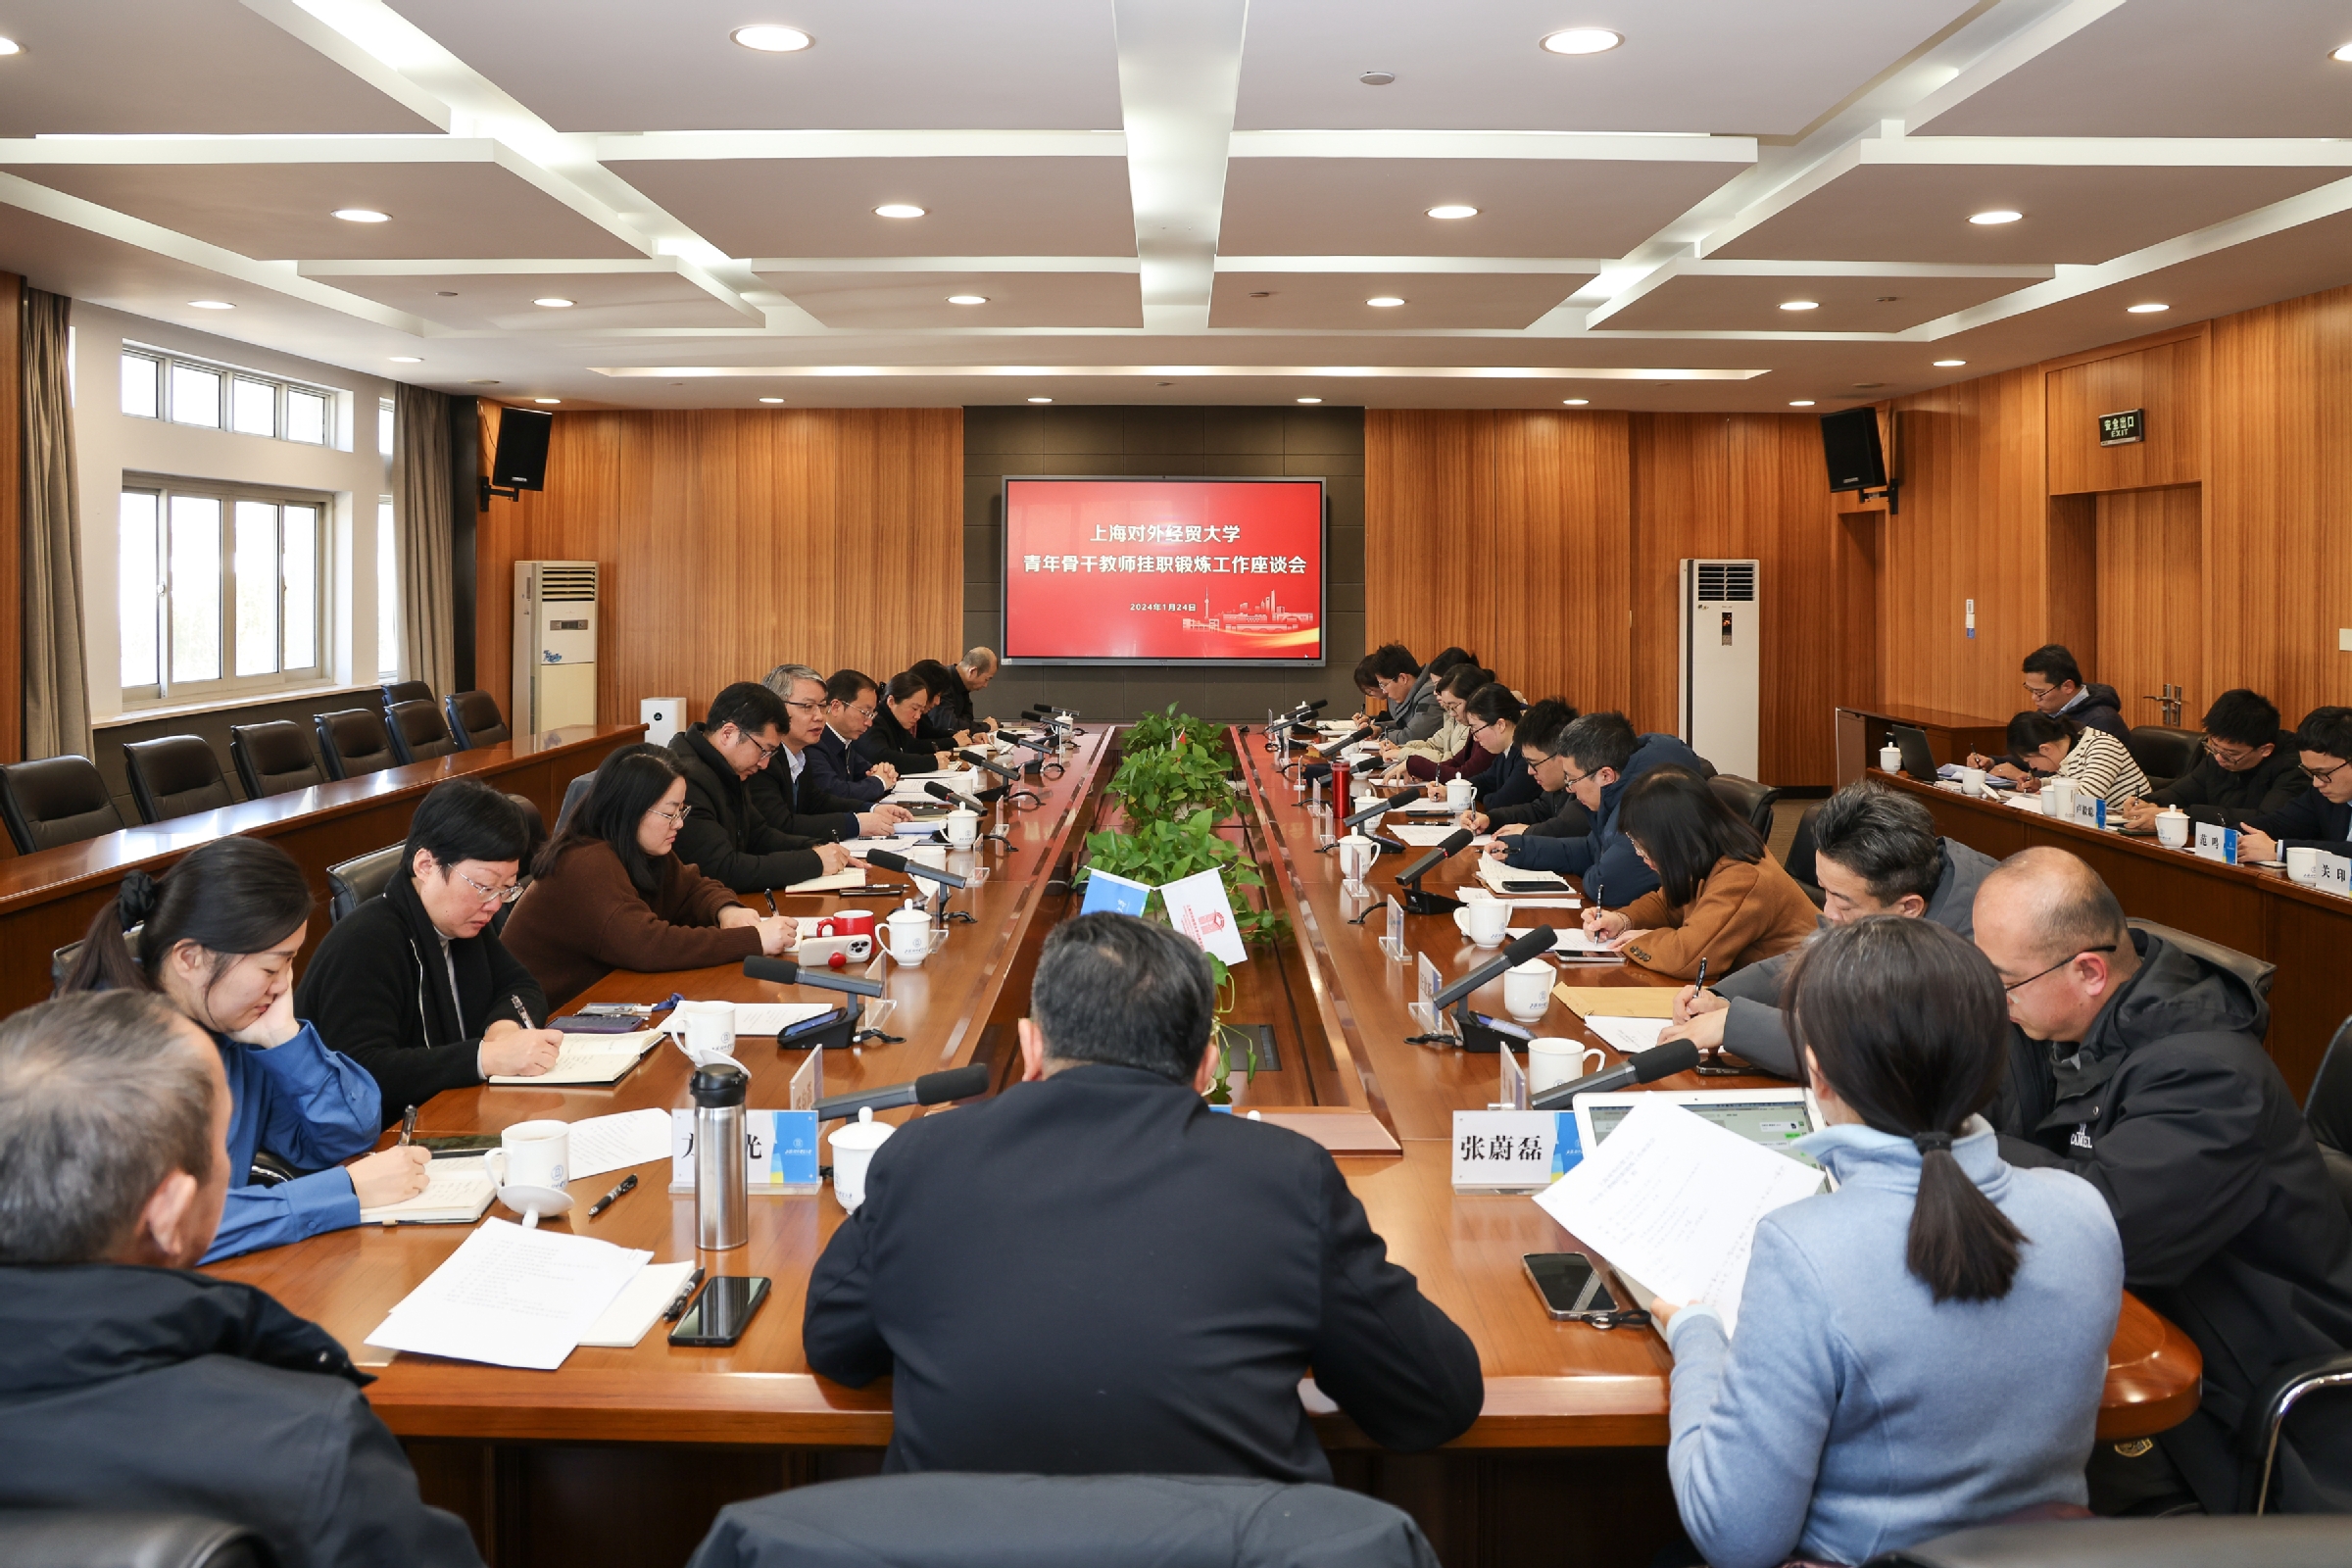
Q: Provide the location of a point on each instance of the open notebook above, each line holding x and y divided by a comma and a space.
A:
592, 1059
457, 1192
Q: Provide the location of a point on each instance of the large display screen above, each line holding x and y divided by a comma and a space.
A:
1154, 571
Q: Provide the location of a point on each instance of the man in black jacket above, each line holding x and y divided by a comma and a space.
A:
2320, 816
413, 985
128, 1381
952, 721
1092, 1273
2139, 1068
2054, 685
2249, 767
834, 764
725, 833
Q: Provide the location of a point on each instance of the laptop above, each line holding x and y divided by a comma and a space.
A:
1918, 761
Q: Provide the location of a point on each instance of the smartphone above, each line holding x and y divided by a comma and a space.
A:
1571, 1286
456, 1146
811, 1026
1513, 885
722, 1311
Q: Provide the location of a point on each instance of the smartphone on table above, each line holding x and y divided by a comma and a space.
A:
722, 1311
1575, 1289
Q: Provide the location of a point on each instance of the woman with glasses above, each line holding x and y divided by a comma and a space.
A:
611, 893
2055, 746
216, 937
1722, 900
415, 983
891, 740
1491, 717
1451, 752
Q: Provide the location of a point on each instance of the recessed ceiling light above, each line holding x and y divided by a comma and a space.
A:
2342, 52
405, 359
1041, 399
763, 399
1800, 403
1949, 364
1999, 214
1583, 41
1576, 402
362, 215
554, 304
547, 400
1453, 210
2145, 309
1310, 400
1377, 79
1384, 302
897, 209
1801, 305
770, 38
967, 299
224, 304
9, 46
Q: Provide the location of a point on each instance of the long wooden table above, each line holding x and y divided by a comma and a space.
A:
2260, 913
48, 897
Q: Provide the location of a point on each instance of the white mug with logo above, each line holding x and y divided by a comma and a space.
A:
906, 936
2171, 828
2057, 796
963, 827
854, 1145
1527, 989
2302, 865
710, 1028
1552, 1062
1484, 921
1459, 793
533, 1153
1356, 855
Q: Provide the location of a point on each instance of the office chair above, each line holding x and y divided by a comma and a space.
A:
78, 1538
574, 793
405, 690
418, 733
352, 882
941, 1520
273, 759
174, 775
2256, 972
2312, 1540
1748, 800
474, 719
61, 960
56, 800
2164, 753
1799, 864
354, 742
2328, 1110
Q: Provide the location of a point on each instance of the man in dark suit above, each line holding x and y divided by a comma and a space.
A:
1094, 1273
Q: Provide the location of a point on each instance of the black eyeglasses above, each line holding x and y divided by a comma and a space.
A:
2020, 985
2320, 775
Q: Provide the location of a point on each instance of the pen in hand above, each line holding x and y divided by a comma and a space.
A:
408, 1126
520, 1012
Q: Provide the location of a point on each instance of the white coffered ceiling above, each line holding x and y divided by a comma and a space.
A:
1178, 200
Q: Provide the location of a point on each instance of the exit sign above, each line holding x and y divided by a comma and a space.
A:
2121, 429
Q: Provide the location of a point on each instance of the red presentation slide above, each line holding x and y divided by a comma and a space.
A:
1164, 570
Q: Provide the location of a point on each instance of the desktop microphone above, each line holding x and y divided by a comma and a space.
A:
1356, 739
1401, 797
980, 762
889, 861
931, 1088
1643, 1067
941, 792
785, 972
1452, 844
1534, 944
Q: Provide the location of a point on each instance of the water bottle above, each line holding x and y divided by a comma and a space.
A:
722, 1192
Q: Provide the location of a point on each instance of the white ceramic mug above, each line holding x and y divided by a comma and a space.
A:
533, 1153
2302, 865
1484, 921
1890, 758
906, 936
710, 1028
1971, 781
934, 855
1356, 855
2057, 796
963, 827
1527, 989
854, 1145
2171, 828
1552, 1062
1459, 793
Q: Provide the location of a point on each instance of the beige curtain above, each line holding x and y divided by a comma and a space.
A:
57, 702
421, 507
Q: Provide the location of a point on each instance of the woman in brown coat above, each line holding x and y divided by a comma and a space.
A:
610, 894
1721, 897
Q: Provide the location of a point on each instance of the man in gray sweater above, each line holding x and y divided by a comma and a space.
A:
1875, 852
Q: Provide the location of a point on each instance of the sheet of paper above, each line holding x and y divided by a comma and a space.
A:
853, 877
1198, 907
1672, 1200
767, 1019
1492, 872
640, 1303
1618, 1002
1421, 835
1629, 1034
510, 1296
857, 847
1573, 940
600, 1145
2022, 802
590, 1058
455, 1191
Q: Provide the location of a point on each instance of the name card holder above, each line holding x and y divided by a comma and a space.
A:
2216, 842
2090, 811
1513, 1089
1393, 943
779, 1152
2332, 873
1503, 1151
1431, 1021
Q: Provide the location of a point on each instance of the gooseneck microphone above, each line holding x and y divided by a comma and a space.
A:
980, 762
1401, 797
941, 792
1643, 1067
1333, 748
785, 972
891, 860
1452, 844
1534, 944
931, 1088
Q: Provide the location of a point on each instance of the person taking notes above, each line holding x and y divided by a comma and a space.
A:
783, 792
1832, 1427
2248, 765
1722, 900
2093, 758
833, 763
2053, 681
2320, 816
892, 740
1602, 756
950, 718
723, 830
1413, 697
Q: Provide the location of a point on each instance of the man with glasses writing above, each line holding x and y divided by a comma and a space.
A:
725, 832
1593, 759
2249, 767
413, 985
2139, 1066
787, 795
2320, 816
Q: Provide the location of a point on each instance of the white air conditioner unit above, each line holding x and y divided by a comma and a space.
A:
1722, 662
554, 645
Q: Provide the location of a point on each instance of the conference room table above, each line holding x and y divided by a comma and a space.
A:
622, 1455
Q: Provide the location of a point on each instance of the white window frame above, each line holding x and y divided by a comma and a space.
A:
281, 391
230, 686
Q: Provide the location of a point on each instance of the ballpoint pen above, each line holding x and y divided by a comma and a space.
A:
408, 1126
1699, 984
627, 1186
677, 1306
520, 1012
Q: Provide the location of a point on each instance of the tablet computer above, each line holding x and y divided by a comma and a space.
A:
1773, 1117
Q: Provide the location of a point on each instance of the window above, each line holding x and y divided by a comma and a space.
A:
387, 592
221, 588
157, 386
383, 427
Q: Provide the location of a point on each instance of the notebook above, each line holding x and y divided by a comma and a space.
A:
638, 1307
853, 877
457, 1192
1508, 880
1572, 942
1618, 1002
592, 1059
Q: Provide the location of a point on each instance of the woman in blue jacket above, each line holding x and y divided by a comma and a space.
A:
219, 934
1924, 1349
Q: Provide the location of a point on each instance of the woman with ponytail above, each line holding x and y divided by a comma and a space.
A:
217, 936
1924, 1349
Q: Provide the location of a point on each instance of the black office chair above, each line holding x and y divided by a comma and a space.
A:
176, 775
274, 759
57, 799
574, 793
418, 732
61, 960
474, 719
1799, 864
2327, 1110
2314, 1541
74, 1537
352, 882
2164, 753
1748, 800
535, 827
2256, 972
354, 742
944, 1520
396, 692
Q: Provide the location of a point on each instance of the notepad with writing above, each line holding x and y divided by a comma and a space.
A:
1508, 880
591, 1059
834, 882
457, 1192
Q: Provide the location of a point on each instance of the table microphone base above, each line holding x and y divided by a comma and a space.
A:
1480, 1039
1416, 901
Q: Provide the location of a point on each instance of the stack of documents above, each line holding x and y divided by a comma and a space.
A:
510, 1296
590, 1060
639, 1307
602, 1145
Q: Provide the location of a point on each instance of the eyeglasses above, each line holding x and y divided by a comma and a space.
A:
865, 714
765, 752
506, 894
2020, 985
2320, 775
804, 706
678, 816
2229, 756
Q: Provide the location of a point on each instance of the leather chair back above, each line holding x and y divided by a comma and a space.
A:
274, 759
57, 799
575, 793
474, 719
2256, 972
1799, 864
1748, 800
406, 691
61, 960
2327, 1110
74, 1538
176, 775
417, 732
2163, 754
352, 882
2309, 1540
354, 742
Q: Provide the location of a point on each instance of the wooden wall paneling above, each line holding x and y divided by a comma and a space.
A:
1861, 651
2074, 598
1553, 523
2151, 598
1418, 529
12, 520
2168, 381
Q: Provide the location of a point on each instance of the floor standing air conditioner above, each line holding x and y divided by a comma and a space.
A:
1722, 662
554, 645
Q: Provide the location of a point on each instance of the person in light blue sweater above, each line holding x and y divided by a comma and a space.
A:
1924, 1349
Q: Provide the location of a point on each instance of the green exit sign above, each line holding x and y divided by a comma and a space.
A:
2121, 429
